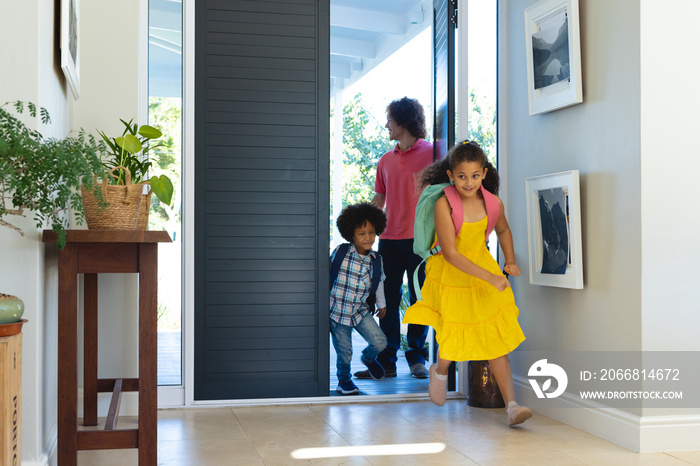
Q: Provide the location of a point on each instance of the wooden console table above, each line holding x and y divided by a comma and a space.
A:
106, 251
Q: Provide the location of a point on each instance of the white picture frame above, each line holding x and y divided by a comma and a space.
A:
553, 48
554, 251
70, 45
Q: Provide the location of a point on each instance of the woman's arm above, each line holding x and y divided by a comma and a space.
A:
505, 239
448, 245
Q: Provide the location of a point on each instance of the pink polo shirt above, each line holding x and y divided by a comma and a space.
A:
396, 177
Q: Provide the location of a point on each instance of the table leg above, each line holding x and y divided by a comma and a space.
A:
148, 359
68, 356
90, 350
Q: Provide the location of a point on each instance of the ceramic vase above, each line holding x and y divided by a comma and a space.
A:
11, 309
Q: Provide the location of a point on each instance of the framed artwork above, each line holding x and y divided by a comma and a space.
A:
554, 230
553, 55
70, 45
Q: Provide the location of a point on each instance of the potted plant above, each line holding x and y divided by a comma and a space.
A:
130, 151
43, 175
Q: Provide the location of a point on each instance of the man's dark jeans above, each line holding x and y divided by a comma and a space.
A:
398, 257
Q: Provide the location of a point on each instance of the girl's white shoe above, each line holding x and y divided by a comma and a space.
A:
517, 414
437, 389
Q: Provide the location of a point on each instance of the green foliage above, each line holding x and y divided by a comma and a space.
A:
168, 318
364, 142
166, 115
482, 125
130, 150
43, 175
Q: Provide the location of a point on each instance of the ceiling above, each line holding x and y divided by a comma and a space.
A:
366, 32
363, 34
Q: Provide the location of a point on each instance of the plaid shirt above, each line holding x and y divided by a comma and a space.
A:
352, 287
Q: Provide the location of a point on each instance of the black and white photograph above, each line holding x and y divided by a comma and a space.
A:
550, 51
554, 230
553, 49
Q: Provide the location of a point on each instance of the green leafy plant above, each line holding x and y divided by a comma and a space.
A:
43, 175
130, 150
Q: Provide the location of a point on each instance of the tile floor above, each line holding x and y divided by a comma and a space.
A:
268, 435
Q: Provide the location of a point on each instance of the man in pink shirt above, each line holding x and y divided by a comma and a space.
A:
397, 193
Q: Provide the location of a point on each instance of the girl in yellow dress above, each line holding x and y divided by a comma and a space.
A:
466, 297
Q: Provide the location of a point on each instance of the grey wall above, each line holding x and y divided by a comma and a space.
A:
601, 139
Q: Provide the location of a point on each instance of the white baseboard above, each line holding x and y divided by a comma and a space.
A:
670, 433
40, 462
49, 457
643, 434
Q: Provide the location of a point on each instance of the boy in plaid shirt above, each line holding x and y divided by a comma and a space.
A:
359, 224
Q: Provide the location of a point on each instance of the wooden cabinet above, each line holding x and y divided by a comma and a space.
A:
11, 400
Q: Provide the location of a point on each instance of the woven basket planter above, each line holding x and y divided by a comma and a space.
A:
123, 205
142, 222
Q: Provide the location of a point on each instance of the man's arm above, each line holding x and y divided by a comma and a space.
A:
379, 200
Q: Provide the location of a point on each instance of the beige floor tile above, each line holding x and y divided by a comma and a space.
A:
108, 458
372, 424
207, 453
692, 457
269, 435
192, 424
277, 431
449, 457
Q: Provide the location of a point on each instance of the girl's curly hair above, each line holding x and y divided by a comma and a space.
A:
356, 215
409, 114
465, 151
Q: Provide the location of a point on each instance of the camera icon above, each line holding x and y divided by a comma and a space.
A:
542, 368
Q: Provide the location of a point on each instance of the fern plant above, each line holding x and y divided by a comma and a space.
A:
43, 175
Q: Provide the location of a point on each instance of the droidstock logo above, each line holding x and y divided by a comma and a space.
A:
542, 369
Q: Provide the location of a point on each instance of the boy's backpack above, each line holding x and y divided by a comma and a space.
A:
376, 272
424, 225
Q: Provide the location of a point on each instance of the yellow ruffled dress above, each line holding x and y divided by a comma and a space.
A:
471, 318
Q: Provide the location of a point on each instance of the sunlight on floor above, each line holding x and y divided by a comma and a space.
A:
369, 450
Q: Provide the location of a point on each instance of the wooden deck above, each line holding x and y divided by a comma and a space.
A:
402, 383
169, 357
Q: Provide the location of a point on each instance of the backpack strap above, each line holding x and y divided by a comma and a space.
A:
457, 220
376, 272
456, 206
337, 262
457, 214
493, 210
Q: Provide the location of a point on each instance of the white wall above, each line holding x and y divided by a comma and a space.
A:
670, 164
109, 90
632, 139
30, 71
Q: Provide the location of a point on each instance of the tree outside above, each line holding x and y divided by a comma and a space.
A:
165, 114
364, 142
482, 124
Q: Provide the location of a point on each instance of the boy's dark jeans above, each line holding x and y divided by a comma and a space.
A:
398, 257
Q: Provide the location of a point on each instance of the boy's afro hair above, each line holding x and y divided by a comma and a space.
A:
356, 215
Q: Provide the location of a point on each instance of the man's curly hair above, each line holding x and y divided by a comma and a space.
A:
409, 114
356, 215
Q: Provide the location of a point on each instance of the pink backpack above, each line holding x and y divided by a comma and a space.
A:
424, 226
493, 208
